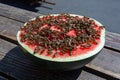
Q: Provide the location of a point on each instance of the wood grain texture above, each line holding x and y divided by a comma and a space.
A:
9, 27
107, 61
112, 39
16, 13
17, 65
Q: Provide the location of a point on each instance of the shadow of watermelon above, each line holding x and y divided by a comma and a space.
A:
17, 65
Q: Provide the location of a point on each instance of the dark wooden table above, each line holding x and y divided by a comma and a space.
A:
15, 65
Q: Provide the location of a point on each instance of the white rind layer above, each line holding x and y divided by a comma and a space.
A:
71, 58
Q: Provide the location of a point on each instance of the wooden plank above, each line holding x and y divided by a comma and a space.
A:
9, 27
16, 13
83, 76
16, 64
107, 61
113, 40
22, 15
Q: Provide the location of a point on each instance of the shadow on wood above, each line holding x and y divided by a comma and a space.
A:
17, 65
25, 4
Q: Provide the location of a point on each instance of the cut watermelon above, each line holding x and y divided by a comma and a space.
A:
62, 38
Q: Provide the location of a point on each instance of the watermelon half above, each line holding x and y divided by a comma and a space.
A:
80, 55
